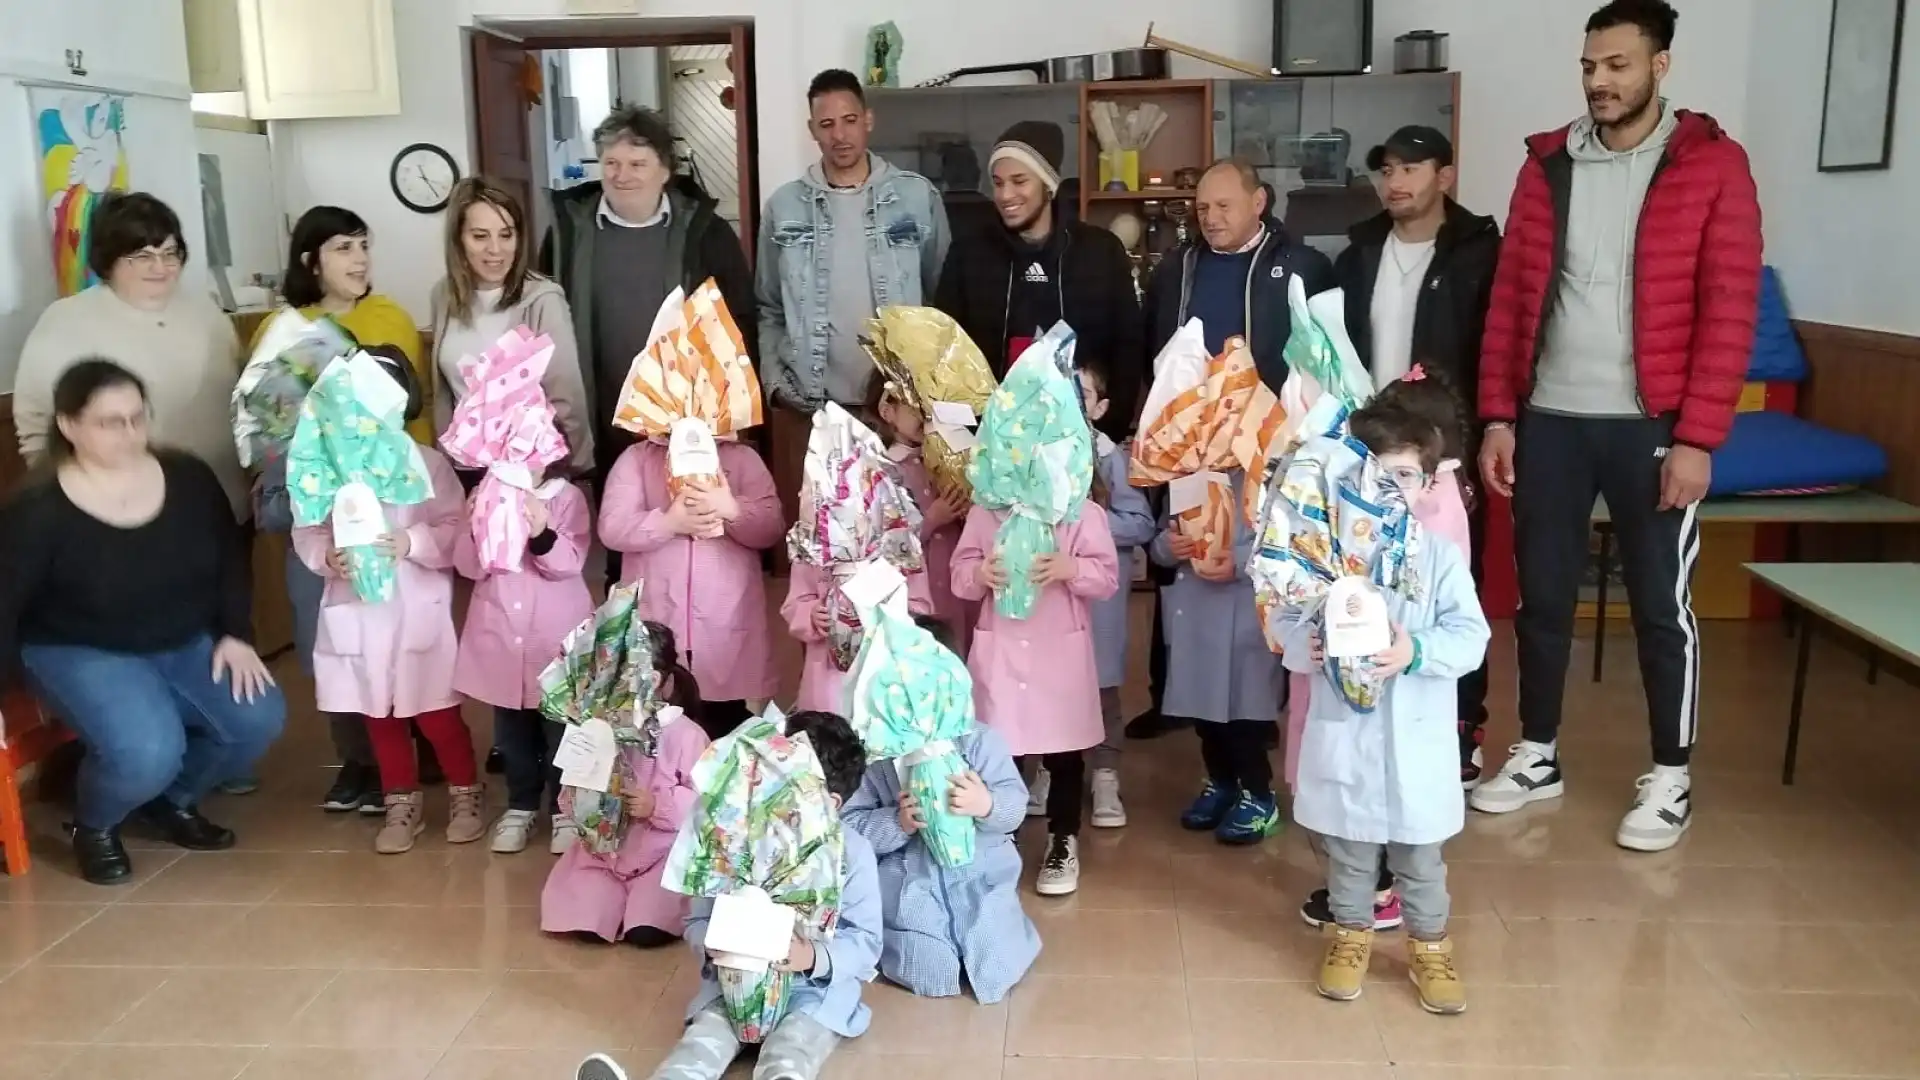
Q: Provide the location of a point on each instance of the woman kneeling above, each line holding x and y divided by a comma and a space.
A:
126, 593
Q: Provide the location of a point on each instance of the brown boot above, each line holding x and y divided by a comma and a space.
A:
466, 814
405, 820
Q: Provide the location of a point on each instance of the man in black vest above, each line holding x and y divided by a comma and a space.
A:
1417, 279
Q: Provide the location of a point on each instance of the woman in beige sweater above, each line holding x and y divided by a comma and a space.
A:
177, 342
489, 289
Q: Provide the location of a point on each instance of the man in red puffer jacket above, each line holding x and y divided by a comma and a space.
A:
1615, 349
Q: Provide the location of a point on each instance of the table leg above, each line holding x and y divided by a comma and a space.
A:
1788, 619
1873, 654
1600, 602
1805, 653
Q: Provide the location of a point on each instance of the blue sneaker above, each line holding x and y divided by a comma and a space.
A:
1252, 819
1209, 811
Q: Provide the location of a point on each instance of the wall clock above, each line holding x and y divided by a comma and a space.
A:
423, 176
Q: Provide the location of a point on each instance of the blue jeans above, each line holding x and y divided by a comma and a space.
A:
153, 724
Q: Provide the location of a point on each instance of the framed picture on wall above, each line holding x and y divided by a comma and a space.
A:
1863, 77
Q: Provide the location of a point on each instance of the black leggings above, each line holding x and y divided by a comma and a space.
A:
1235, 754
526, 740
1066, 788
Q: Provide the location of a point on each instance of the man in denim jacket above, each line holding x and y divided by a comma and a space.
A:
852, 235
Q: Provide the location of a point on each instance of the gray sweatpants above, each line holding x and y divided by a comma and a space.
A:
1353, 872
1107, 754
795, 1049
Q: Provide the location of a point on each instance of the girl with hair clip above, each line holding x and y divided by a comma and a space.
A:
619, 897
1442, 509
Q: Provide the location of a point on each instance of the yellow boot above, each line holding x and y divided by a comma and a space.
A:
1343, 973
1430, 965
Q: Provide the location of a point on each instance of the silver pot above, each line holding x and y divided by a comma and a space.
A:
1419, 50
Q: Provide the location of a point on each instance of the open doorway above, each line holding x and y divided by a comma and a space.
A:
696, 72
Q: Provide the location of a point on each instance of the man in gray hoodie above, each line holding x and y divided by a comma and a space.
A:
1615, 348
852, 235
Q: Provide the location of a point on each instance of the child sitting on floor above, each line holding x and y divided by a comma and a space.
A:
945, 923
824, 1003
619, 897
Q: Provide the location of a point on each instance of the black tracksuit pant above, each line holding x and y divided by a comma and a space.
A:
1560, 464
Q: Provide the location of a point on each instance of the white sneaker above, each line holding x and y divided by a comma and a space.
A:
1108, 811
564, 835
511, 831
1037, 791
1529, 775
599, 1067
1662, 810
1060, 871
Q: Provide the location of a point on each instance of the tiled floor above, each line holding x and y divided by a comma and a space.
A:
1780, 939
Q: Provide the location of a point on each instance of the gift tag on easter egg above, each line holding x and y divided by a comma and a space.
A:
877, 583
748, 931
958, 439
1356, 619
1186, 493
954, 414
691, 449
357, 519
586, 754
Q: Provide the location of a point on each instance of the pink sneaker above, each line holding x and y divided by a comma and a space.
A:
1316, 911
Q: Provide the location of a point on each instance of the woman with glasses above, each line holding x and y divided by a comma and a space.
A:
126, 598
177, 341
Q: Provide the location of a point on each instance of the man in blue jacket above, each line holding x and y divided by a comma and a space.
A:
1234, 279
853, 234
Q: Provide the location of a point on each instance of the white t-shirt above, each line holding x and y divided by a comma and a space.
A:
1396, 296
460, 340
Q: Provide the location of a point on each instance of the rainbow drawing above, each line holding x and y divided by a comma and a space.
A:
82, 155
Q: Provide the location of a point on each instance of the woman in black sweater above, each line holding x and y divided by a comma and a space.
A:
124, 592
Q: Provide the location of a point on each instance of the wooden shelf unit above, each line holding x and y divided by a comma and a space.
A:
1184, 141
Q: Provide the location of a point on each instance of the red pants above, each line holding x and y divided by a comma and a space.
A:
393, 749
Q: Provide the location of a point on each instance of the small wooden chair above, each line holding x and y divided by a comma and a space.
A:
27, 736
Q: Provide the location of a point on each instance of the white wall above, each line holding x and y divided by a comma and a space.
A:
1842, 241
1520, 59
136, 48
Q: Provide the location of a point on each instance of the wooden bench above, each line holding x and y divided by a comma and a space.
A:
1792, 511
27, 736
1877, 603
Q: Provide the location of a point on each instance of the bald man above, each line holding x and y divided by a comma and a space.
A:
1234, 279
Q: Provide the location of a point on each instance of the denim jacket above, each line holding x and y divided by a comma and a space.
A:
907, 234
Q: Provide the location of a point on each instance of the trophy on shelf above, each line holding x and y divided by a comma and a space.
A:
1180, 212
1153, 245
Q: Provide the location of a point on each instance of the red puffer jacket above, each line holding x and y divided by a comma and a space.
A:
1696, 279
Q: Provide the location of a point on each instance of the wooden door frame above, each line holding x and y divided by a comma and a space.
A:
735, 33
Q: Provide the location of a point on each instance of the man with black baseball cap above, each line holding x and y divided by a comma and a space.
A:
1417, 278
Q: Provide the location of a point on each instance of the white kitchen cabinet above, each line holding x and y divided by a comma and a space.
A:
308, 59
214, 64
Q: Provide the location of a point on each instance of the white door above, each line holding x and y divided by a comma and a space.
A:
307, 59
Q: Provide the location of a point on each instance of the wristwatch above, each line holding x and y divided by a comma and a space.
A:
1498, 425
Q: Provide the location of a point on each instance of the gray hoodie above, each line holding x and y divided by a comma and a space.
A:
543, 310
1586, 367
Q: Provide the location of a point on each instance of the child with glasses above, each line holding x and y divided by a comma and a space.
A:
1377, 776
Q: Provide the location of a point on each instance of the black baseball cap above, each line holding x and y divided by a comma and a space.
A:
1411, 144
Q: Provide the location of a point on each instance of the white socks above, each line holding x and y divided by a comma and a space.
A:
1676, 773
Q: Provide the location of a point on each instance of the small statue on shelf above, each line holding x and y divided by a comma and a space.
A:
883, 55
1180, 212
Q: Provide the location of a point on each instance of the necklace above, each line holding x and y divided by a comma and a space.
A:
1396, 247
